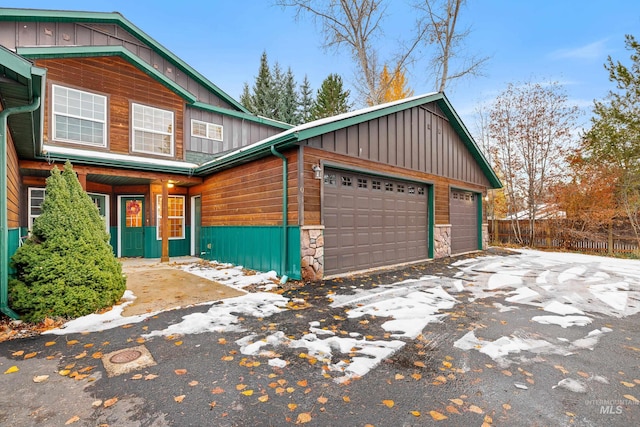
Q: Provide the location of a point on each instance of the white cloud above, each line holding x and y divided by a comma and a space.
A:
595, 50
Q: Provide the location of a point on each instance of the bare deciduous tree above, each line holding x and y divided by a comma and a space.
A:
440, 24
531, 126
356, 24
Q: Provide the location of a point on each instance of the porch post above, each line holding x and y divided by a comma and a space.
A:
164, 222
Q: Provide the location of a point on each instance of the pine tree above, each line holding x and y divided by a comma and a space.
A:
331, 99
246, 99
306, 102
276, 92
67, 267
262, 98
288, 100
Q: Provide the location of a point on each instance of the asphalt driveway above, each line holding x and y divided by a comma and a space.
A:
489, 339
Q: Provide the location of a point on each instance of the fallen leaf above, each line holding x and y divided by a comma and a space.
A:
81, 355
279, 390
180, 371
178, 343
419, 364
322, 400
263, 398
72, 420
72, 342
561, 369
415, 413
346, 399
150, 377
388, 403
631, 398
217, 390
507, 373
437, 415
626, 384
17, 353
180, 398
290, 389
49, 343
452, 409
140, 340
399, 377
137, 377
212, 404
222, 341
12, 369
303, 417
302, 383
40, 378
583, 374
247, 392
446, 364
506, 406
416, 376
64, 372
474, 408
227, 358
488, 419
30, 355
97, 355
458, 402
292, 406
110, 402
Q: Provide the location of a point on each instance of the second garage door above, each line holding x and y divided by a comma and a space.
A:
463, 210
372, 221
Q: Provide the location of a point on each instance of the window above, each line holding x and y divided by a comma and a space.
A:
346, 181
388, 186
176, 217
152, 130
206, 130
363, 183
411, 189
421, 191
36, 197
79, 117
376, 185
400, 188
330, 178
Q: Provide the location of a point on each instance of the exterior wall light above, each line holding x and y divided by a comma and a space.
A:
317, 171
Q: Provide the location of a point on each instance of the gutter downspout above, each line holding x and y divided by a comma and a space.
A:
285, 204
4, 221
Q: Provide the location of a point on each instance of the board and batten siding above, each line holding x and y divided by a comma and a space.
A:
236, 133
250, 194
312, 195
419, 139
122, 83
29, 34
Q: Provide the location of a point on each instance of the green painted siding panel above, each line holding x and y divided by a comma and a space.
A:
14, 243
153, 246
113, 239
254, 247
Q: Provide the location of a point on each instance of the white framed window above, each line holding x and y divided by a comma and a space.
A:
79, 117
176, 217
206, 130
36, 197
152, 130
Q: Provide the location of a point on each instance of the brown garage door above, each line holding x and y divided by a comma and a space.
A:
464, 221
372, 221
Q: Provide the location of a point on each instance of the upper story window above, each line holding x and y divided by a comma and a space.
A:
152, 130
79, 117
206, 130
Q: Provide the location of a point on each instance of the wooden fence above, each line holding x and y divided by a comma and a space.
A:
558, 234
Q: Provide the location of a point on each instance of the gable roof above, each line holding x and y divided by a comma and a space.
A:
330, 124
35, 15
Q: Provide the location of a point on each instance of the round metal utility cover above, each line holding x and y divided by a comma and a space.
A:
125, 356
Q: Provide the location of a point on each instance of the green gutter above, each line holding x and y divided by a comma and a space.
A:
4, 223
285, 213
33, 15
240, 115
96, 51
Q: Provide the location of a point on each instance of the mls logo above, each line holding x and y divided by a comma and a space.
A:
611, 410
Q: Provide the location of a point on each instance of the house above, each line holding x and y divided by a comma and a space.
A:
176, 166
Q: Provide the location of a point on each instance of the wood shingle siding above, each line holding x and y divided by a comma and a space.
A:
122, 83
250, 194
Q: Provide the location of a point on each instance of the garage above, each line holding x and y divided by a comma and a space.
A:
372, 221
463, 207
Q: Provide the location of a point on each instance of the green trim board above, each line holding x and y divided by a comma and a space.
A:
254, 247
13, 245
10, 14
480, 220
100, 51
431, 218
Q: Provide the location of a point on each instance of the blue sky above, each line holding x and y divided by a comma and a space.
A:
565, 41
